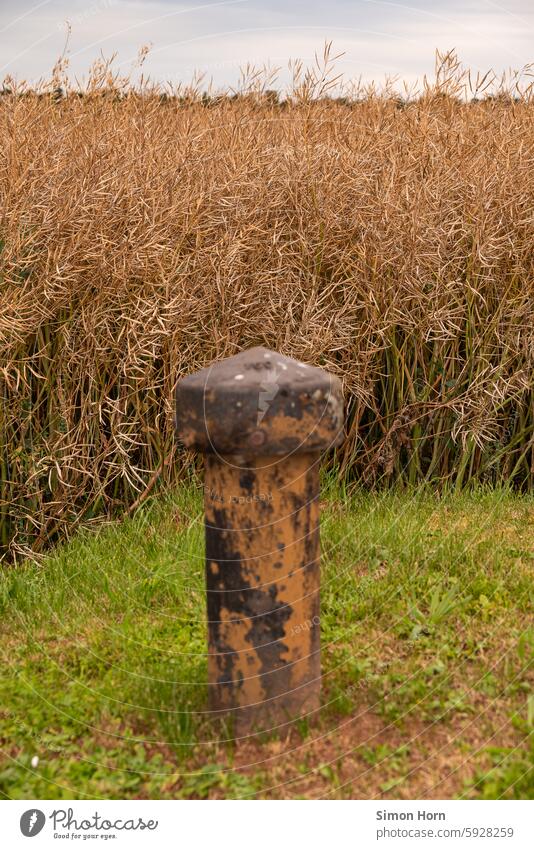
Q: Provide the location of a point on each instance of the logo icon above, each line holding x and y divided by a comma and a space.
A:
268, 391
32, 822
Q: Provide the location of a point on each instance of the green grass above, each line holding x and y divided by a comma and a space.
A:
428, 642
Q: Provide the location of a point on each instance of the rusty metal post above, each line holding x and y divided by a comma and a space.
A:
262, 420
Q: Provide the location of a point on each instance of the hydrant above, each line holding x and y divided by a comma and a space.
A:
262, 420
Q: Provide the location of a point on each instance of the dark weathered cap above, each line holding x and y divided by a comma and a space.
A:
259, 402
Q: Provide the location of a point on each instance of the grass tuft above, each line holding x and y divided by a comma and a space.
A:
427, 635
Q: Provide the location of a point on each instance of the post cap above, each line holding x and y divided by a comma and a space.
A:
259, 402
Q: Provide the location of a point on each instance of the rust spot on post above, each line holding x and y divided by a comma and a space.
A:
263, 420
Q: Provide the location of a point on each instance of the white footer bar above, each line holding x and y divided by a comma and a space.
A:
269, 825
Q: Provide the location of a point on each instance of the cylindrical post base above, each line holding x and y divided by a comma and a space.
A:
262, 575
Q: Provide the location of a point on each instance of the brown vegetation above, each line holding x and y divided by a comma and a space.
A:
388, 240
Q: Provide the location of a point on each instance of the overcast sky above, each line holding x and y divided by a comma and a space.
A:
378, 37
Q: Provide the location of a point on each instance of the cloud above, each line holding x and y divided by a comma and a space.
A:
378, 37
